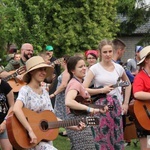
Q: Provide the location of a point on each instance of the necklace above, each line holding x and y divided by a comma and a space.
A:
78, 79
146, 72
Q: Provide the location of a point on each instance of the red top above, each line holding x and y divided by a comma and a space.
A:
141, 82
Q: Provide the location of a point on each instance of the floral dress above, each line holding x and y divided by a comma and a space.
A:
37, 103
109, 134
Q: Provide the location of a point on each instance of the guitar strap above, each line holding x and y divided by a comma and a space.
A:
22, 61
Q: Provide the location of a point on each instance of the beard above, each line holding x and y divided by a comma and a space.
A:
27, 56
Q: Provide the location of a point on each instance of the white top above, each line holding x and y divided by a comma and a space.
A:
102, 77
37, 103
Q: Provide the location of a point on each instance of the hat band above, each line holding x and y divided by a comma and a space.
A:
35, 65
143, 57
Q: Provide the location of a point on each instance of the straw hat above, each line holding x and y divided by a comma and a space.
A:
143, 54
36, 62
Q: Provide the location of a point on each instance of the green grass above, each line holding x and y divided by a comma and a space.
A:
62, 143
132, 146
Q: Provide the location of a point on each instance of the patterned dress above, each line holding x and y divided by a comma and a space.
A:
109, 134
80, 140
37, 103
60, 108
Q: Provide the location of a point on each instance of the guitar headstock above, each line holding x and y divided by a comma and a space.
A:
21, 70
57, 62
110, 107
91, 121
124, 84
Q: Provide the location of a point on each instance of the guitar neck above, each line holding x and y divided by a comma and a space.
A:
11, 76
115, 85
66, 123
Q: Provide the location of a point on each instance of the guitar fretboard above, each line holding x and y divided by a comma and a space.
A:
72, 122
10, 76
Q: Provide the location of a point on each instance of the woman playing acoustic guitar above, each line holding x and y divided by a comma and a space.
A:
81, 140
106, 73
36, 98
141, 91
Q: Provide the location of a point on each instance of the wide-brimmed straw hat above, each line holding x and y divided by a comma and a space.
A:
36, 62
143, 54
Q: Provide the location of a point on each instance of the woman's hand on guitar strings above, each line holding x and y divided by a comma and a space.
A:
103, 110
33, 137
81, 126
107, 89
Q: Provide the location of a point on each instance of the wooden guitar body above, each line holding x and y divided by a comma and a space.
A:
16, 84
130, 129
141, 110
44, 125
19, 137
13, 81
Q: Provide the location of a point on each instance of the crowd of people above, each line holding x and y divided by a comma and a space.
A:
55, 86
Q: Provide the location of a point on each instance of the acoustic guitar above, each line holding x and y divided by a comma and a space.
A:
89, 103
14, 82
102, 95
44, 125
140, 111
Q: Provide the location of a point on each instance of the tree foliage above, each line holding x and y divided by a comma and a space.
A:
70, 26
136, 13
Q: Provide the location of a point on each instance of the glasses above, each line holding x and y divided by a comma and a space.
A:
91, 58
29, 50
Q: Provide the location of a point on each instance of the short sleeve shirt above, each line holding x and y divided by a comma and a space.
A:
76, 85
34, 101
4, 90
141, 82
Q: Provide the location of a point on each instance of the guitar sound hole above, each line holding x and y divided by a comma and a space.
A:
44, 125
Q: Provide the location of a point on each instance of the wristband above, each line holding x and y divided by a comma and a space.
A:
88, 110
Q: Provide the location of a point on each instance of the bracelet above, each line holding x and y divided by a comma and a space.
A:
88, 110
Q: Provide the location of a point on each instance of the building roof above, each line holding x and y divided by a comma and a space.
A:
142, 29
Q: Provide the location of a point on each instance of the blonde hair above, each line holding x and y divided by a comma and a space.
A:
103, 43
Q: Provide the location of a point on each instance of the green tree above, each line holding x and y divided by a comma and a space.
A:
79, 25
70, 26
135, 14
